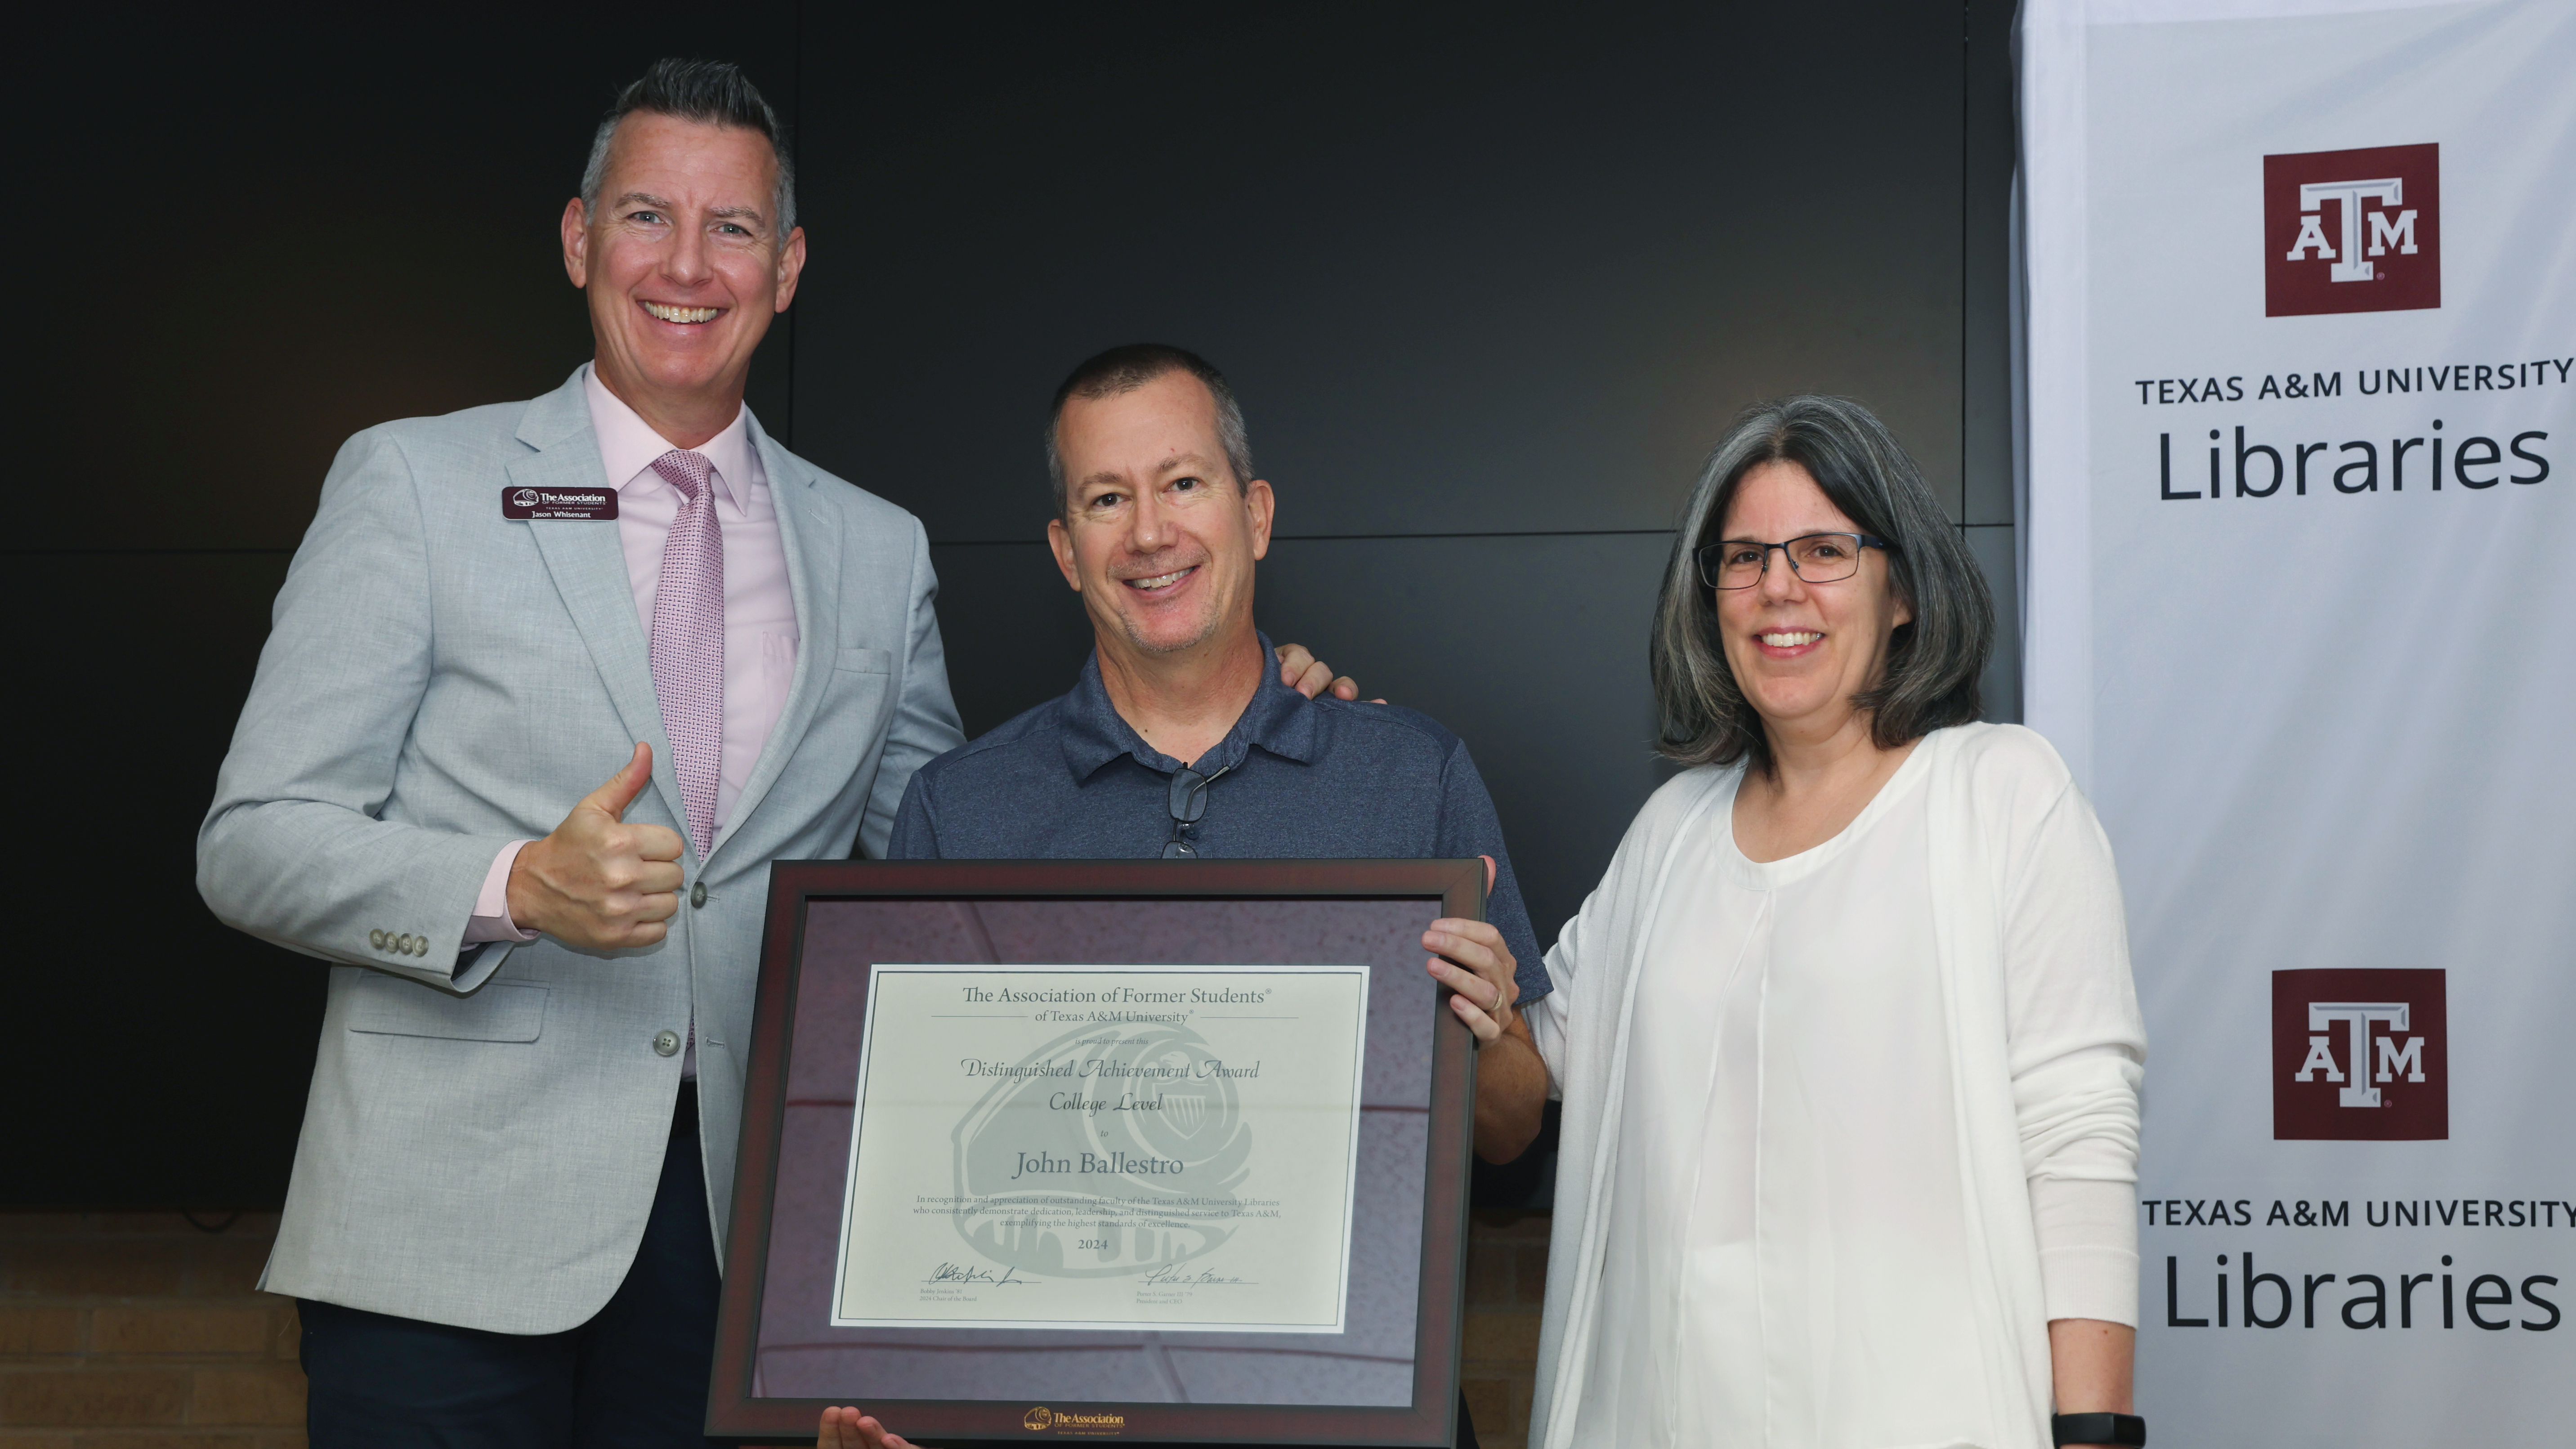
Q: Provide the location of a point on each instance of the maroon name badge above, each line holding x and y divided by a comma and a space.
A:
558, 503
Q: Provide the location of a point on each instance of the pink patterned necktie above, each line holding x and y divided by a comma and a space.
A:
689, 640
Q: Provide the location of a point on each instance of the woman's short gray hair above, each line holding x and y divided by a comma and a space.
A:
711, 93
1933, 663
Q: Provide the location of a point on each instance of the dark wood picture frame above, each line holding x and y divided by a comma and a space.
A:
734, 1413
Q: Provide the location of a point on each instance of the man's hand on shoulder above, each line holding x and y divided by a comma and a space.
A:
598, 882
1301, 671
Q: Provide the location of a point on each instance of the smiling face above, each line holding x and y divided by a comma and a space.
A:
1159, 536
683, 266
1800, 651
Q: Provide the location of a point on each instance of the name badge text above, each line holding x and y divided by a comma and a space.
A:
559, 503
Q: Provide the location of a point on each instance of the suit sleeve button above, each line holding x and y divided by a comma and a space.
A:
376, 939
698, 895
666, 1043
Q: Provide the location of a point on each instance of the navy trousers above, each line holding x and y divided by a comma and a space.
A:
634, 1376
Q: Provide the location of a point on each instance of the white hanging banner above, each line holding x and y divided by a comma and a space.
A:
2300, 551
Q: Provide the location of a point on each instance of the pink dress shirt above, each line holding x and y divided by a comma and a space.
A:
760, 611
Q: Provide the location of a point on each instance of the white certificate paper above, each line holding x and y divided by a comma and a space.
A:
1071, 1147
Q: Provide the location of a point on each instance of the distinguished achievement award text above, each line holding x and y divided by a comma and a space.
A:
1074, 1147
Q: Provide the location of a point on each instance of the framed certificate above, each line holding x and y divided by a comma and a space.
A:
1164, 1152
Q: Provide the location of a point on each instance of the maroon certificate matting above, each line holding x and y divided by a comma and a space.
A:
1387, 1374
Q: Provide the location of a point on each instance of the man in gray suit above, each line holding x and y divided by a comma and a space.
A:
516, 1156
500, 1216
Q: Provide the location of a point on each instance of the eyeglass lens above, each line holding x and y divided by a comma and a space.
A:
1818, 558
1188, 803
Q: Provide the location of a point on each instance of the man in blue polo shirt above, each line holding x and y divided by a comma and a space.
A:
1178, 741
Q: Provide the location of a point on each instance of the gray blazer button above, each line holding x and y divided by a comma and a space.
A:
420, 945
698, 895
376, 939
666, 1043
402, 945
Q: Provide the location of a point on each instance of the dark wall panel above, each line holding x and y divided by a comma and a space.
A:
1476, 274
1993, 547
1985, 362
293, 228
156, 1057
1471, 271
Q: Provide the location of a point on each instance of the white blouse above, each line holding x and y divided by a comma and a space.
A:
1786, 1258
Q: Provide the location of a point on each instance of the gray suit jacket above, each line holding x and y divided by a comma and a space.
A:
486, 1129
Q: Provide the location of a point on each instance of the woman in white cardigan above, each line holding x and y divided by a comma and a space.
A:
1846, 1039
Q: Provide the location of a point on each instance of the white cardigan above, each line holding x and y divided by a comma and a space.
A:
2027, 1105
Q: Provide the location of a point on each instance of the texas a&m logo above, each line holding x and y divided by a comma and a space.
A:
2359, 1054
2352, 231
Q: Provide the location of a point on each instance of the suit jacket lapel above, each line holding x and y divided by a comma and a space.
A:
811, 539
588, 563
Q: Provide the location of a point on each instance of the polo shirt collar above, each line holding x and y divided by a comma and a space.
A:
1278, 719
628, 445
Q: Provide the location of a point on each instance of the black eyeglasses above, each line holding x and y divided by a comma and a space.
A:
1189, 802
1816, 558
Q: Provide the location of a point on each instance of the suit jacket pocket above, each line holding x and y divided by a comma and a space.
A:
384, 1005
864, 661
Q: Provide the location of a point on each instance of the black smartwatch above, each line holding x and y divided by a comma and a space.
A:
2127, 1429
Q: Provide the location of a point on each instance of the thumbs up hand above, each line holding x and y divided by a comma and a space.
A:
598, 882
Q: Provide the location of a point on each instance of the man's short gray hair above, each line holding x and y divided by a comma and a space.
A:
711, 93
1125, 369
1933, 664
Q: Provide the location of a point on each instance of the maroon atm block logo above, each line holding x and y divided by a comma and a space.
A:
2352, 231
2359, 1055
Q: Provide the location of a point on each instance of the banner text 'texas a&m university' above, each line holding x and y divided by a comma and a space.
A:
2299, 532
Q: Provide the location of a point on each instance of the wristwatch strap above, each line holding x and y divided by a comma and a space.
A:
2127, 1429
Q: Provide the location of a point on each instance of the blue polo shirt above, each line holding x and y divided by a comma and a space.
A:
1319, 779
